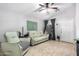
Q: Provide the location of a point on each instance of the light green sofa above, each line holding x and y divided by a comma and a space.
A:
38, 37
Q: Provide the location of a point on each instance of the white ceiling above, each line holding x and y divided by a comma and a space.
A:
23, 8
28, 8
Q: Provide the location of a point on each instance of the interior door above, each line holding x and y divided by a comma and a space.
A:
67, 28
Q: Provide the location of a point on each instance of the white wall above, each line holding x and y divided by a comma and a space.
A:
66, 21
77, 20
10, 21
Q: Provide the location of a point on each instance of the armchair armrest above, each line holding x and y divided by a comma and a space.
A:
11, 49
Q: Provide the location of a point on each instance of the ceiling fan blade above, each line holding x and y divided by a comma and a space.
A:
41, 10
52, 3
37, 9
42, 5
55, 8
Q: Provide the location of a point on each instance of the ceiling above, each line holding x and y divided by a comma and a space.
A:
28, 8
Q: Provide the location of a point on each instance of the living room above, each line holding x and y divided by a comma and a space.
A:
28, 20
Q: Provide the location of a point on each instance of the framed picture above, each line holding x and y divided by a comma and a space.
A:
31, 26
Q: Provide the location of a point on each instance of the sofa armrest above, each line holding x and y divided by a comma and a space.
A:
11, 49
46, 35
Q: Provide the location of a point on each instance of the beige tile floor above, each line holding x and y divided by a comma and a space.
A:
1, 53
52, 48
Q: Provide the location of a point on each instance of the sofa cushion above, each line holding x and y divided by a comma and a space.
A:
34, 34
40, 38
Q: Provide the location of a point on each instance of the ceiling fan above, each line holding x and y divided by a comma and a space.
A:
46, 6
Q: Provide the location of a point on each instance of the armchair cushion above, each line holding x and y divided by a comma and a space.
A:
12, 37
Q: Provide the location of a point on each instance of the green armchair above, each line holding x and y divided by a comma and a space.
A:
15, 46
